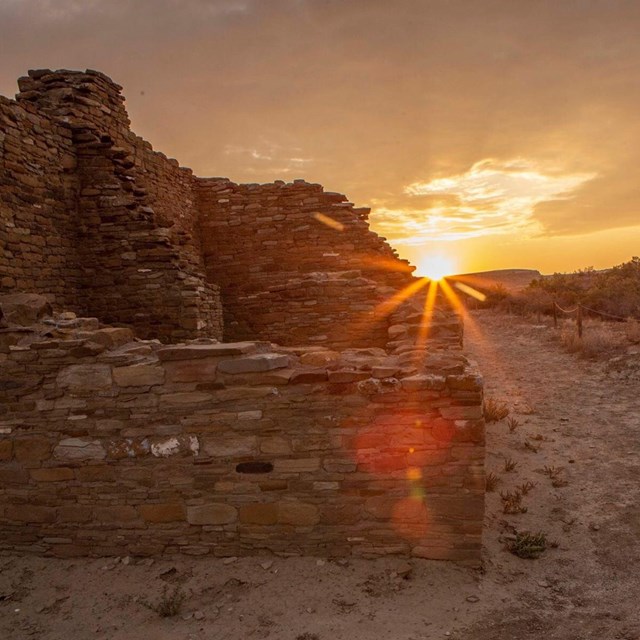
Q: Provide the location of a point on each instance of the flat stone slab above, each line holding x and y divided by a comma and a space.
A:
254, 363
191, 351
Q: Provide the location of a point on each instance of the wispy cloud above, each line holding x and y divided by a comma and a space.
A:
492, 197
275, 157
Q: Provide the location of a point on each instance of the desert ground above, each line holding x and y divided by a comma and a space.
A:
573, 419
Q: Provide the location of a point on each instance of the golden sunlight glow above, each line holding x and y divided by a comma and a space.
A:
435, 266
329, 221
470, 291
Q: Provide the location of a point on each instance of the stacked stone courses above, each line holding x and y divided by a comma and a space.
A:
194, 366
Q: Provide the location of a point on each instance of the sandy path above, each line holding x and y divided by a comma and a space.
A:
589, 586
586, 588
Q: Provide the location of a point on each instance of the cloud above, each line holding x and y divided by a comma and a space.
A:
492, 197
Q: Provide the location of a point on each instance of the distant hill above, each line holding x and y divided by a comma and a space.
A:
511, 279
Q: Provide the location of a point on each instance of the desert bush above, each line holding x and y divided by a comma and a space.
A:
169, 603
494, 410
512, 502
510, 465
528, 545
597, 341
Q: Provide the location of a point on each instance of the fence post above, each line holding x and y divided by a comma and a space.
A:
555, 314
579, 320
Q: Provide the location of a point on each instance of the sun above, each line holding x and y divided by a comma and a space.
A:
435, 266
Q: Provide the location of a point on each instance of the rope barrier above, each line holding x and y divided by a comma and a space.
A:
568, 312
602, 313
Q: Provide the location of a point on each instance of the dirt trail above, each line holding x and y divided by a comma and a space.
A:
588, 425
588, 587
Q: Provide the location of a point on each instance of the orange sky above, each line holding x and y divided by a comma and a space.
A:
495, 134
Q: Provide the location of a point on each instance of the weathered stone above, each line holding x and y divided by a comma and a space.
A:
174, 445
298, 514
85, 378
52, 474
466, 382
110, 337
24, 308
263, 514
79, 449
96, 473
296, 465
6, 450
115, 514
32, 449
30, 513
191, 351
185, 398
199, 370
338, 465
319, 358
342, 376
383, 372
423, 382
212, 514
306, 376
75, 513
230, 447
462, 413
254, 363
169, 512
275, 445
138, 375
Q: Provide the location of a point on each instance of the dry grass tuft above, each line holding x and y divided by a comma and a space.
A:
512, 502
554, 474
532, 447
491, 481
632, 331
494, 410
599, 340
525, 487
169, 604
512, 423
510, 465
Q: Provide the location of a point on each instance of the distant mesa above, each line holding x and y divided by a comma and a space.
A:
512, 280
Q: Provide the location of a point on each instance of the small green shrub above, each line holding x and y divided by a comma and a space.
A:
528, 545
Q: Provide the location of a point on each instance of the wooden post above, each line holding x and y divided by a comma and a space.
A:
579, 320
555, 314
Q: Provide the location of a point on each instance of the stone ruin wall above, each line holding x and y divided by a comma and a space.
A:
93, 217
111, 444
296, 264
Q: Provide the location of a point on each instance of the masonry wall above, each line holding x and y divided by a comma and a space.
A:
38, 187
296, 263
124, 216
113, 447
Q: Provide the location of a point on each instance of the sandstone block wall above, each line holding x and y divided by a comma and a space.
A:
296, 263
93, 217
114, 446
